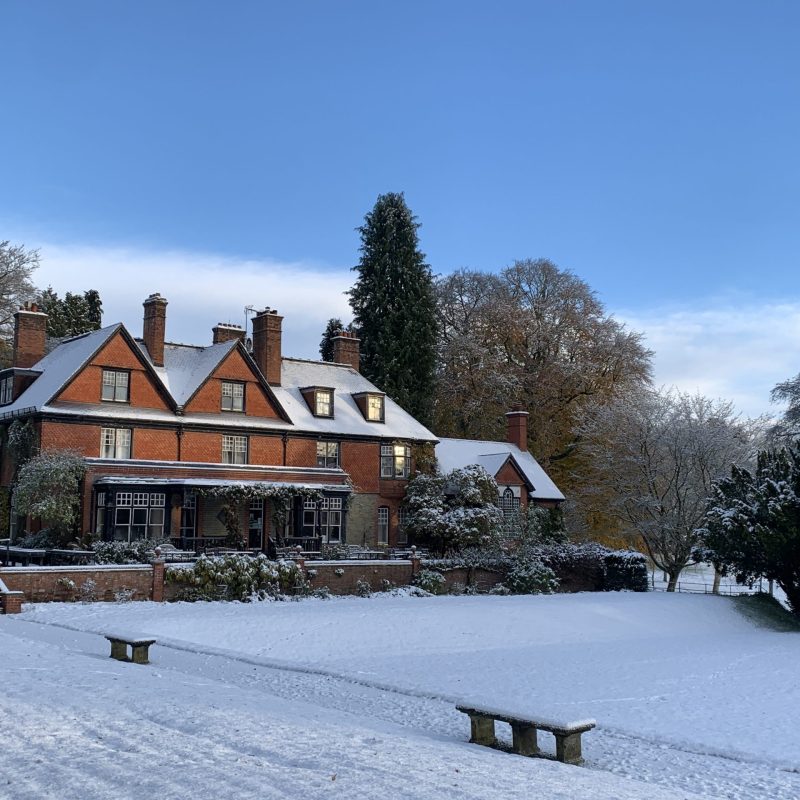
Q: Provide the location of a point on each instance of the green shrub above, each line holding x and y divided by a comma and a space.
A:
430, 581
137, 552
531, 577
239, 577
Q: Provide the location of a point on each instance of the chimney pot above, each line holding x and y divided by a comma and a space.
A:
30, 335
517, 427
267, 344
155, 326
225, 331
347, 349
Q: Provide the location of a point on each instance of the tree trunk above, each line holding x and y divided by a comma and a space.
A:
717, 578
673, 580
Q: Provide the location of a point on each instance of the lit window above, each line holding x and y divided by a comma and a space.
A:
234, 449
323, 403
115, 443
327, 454
383, 525
395, 461
6, 390
115, 385
375, 408
232, 396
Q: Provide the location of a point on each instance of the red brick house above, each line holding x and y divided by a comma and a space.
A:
520, 478
159, 424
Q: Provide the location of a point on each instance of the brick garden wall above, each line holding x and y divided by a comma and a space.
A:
398, 573
47, 584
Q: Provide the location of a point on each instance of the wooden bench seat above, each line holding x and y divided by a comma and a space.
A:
524, 732
140, 647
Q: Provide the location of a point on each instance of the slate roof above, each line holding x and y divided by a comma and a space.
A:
186, 367
458, 453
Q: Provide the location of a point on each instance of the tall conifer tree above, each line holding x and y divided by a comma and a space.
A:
394, 307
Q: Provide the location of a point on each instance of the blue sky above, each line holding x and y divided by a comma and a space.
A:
651, 147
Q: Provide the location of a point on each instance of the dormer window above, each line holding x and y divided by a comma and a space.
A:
375, 408
323, 403
372, 405
319, 399
115, 385
232, 396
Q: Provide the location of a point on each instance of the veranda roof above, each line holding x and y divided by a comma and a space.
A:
143, 480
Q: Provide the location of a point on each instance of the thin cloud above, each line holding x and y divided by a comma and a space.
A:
734, 352
202, 290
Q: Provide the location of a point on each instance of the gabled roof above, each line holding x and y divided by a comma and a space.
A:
59, 367
348, 419
492, 456
186, 368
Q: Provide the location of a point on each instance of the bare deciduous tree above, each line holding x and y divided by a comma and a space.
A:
534, 334
16, 267
650, 460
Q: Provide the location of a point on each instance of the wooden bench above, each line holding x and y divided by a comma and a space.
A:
140, 647
524, 732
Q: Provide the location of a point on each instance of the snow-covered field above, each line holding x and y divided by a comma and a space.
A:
273, 699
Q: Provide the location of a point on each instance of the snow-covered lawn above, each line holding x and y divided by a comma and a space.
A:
688, 693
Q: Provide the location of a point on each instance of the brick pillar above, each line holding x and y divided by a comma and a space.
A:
224, 332
267, 344
30, 335
415, 562
12, 602
158, 580
347, 349
517, 427
155, 327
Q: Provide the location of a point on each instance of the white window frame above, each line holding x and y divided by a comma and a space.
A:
232, 396
115, 443
323, 402
375, 408
115, 387
234, 449
402, 519
383, 525
328, 454
395, 461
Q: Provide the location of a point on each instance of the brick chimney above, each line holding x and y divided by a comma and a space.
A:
30, 335
517, 427
347, 349
155, 325
224, 332
267, 344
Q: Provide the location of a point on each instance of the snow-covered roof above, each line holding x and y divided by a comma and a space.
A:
58, 367
458, 453
186, 367
347, 418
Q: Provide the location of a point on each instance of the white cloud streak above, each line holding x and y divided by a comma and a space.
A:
202, 290
733, 351
737, 350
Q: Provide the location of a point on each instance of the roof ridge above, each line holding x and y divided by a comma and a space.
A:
319, 362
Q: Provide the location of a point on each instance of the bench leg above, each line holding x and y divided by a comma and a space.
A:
482, 730
525, 742
140, 653
568, 748
119, 650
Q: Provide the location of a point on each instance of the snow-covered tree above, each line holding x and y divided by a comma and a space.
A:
753, 526
534, 334
48, 488
787, 428
73, 315
650, 461
16, 268
455, 510
394, 307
